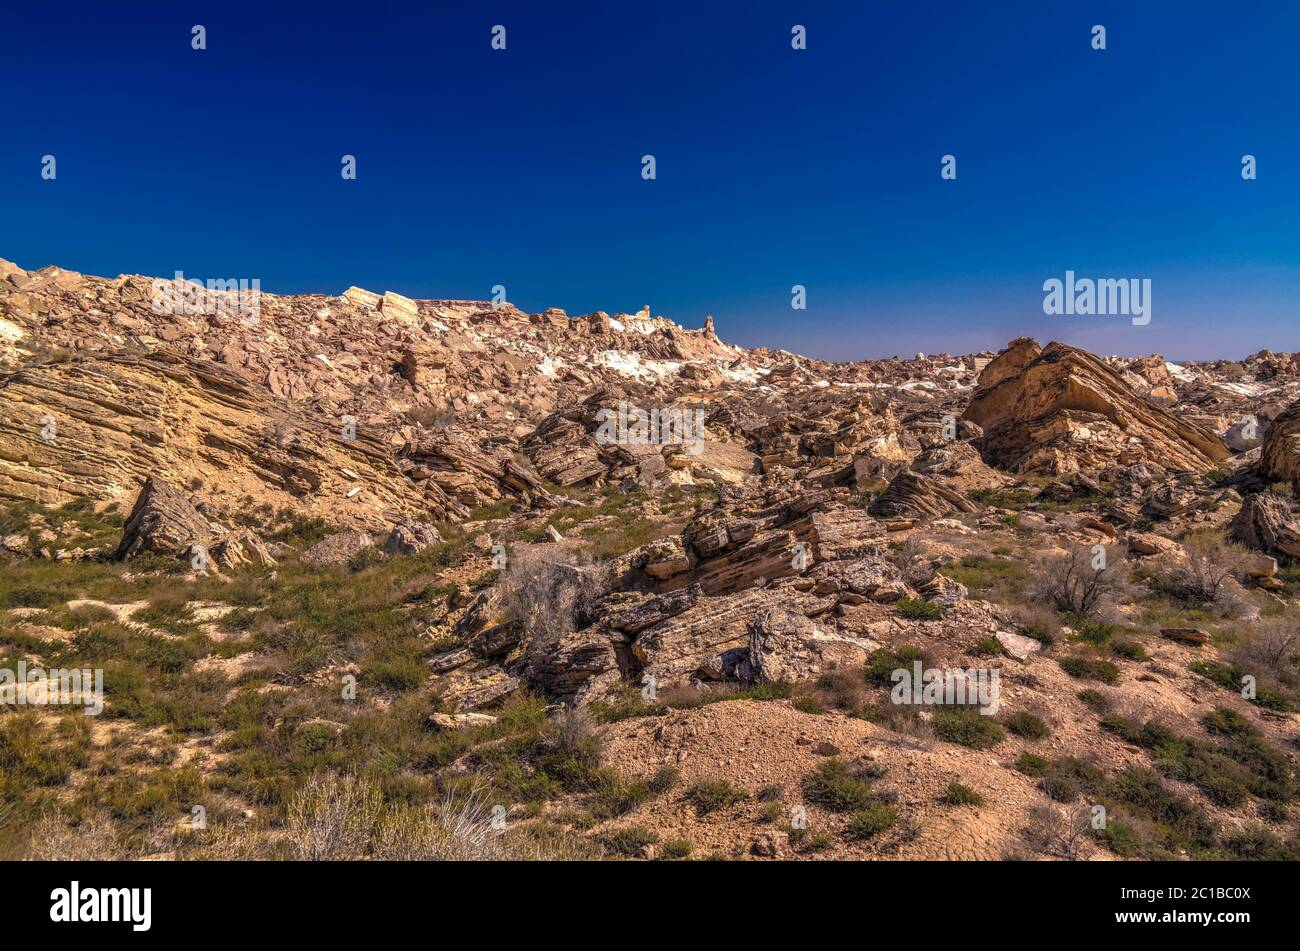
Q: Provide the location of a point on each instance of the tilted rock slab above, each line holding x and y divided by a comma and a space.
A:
1063, 409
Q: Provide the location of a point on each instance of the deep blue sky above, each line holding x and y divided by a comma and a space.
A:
775, 167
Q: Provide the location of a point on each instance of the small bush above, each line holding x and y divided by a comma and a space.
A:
874, 819
966, 726
1073, 585
1086, 668
919, 610
959, 795
833, 787
677, 848
883, 662
1031, 764
1129, 650
1026, 725
710, 795
629, 841
1095, 699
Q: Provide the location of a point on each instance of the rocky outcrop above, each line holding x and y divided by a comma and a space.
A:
338, 549
1266, 523
165, 522
787, 647
97, 427
1280, 456
913, 495
410, 537
1062, 409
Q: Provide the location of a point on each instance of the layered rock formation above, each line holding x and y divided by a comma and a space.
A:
1059, 410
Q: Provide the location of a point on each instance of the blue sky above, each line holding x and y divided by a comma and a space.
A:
775, 167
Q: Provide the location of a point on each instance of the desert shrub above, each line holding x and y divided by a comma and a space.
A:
1089, 668
966, 726
1054, 831
1026, 725
1073, 585
919, 610
1037, 632
630, 840
1184, 823
710, 795
807, 704
1204, 576
663, 779
875, 818
333, 817
883, 662
1092, 631
988, 647
958, 795
1068, 777
677, 848
548, 591
1257, 843
1129, 650
832, 786
840, 689
1031, 764
1232, 678
1095, 699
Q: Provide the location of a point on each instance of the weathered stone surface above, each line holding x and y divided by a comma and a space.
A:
1266, 523
913, 495
1063, 409
241, 548
461, 721
1017, 645
1148, 543
409, 537
674, 650
1280, 452
1186, 635
787, 647
163, 521
337, 549
662, 558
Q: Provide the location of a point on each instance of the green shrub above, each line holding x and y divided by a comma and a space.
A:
833, 787
629, 841
1129, 650
677, 848
883, 662
875, 818
1087, 668
1031, 764
1095, 699
919, 610
1026, 725
710, 795
966, 726
959, 795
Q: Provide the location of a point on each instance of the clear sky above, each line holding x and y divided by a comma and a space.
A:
775, 167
